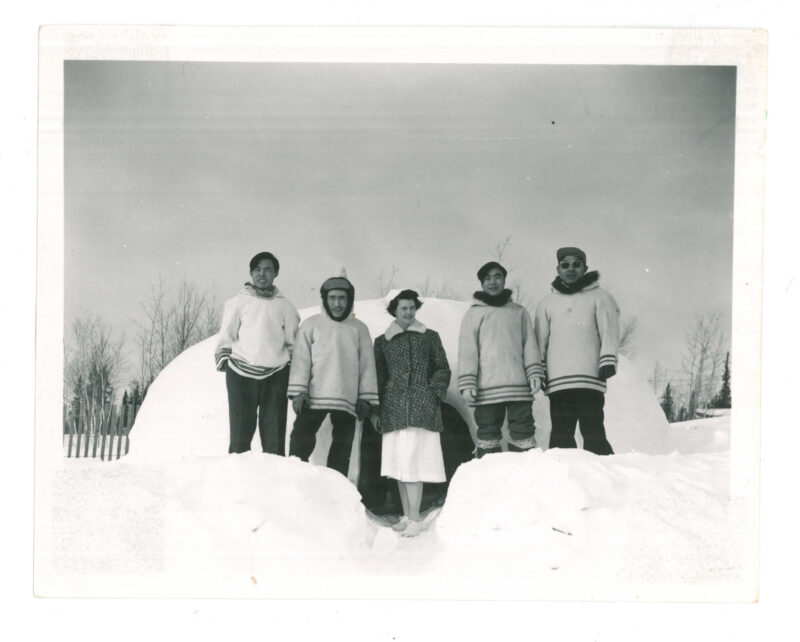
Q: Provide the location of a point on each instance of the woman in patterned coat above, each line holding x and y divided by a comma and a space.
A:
413, 375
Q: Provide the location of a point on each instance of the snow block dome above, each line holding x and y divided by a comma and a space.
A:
185, 413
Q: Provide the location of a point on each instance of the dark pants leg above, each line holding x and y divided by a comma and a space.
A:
344, 426
489, 418
243, 394
590, 417
563, 418
520, 426
272, 412
370, 483
304, 433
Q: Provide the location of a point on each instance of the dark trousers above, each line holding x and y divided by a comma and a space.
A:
261, 399
304, 436
583, 406
490, 417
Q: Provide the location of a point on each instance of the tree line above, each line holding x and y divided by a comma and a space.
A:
98, 361
703, 381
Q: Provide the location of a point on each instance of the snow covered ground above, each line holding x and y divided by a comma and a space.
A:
179, 516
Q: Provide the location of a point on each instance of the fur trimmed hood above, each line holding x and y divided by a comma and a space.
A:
496, 301
338, 283
586, 280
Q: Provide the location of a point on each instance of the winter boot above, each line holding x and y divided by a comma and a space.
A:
480, 452
521, 445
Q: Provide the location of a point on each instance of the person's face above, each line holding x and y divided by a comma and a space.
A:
263, 274
405, 313
337, 303
570, 269
494, 282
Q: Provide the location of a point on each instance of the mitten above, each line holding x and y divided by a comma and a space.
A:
606, 372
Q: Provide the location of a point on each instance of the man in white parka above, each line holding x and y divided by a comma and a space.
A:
332, 373
499, 367
254, 348
577, 331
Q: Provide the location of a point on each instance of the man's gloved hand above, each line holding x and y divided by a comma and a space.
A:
375, 418
362, 409
606, 372
299, 402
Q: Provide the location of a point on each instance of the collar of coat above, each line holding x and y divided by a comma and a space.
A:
394, 329
496, 300
267, 293
584, 283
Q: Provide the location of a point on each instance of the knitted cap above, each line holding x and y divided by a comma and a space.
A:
571, 251
491, 265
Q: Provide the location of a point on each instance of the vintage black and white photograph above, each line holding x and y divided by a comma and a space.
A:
392, 319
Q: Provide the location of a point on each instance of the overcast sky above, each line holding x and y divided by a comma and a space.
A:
188, 169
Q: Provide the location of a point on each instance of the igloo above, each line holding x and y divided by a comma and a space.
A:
185, 414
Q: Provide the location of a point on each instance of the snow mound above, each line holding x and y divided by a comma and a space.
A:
185, 413
207, 525
564, 514
712, 435
559, 524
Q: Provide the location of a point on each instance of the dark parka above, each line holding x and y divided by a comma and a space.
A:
413, 375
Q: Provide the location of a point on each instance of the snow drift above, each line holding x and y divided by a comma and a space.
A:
560, 524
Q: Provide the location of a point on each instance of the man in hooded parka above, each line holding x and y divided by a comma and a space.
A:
577, 330
332, 373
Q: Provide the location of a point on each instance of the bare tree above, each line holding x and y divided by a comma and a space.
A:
658, 379
385, 280
94, 364
212, 316
441, 290
170, 325
704, 352
498, 253
186, 315
153, 333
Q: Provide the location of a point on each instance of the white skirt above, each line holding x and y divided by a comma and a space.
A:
412, 455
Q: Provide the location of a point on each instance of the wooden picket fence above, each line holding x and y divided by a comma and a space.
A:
109, 441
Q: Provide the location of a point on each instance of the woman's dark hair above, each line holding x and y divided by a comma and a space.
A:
404, 295
265, 255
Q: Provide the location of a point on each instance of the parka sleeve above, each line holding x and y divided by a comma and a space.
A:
381, 367
300, 368
607, 318
468, 353
541, 330
534, 369
367, 376
291, 321
440, 377
228, 332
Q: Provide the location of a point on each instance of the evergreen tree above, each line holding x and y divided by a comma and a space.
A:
724, 396
136, 395
667, 404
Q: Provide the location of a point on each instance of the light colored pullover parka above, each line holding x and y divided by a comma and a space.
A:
577, 333
497, 353
334, 364
257, 333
